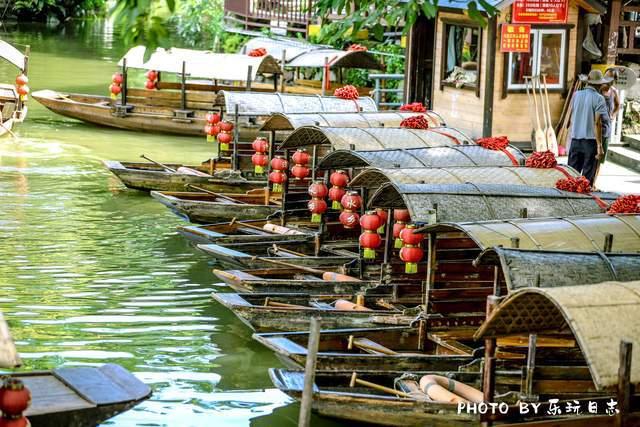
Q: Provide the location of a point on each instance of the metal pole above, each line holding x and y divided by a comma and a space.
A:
324, 75
309, 373
249, 77
283, 61
123, 100
236, 136
183, 86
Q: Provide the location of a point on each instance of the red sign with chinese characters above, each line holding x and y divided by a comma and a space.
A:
515, 38
540, 11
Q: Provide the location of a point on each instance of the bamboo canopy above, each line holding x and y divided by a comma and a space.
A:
372, 178
599, 317
430, 157
265, 104
373, 138
576, 233
430, 203
284, 122
524, 268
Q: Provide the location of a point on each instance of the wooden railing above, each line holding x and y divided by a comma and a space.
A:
289, 14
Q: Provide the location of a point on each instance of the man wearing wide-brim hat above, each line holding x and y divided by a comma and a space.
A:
589, 115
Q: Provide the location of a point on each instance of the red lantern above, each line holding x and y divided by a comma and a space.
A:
114, 89
15, 422
339, 180
152, 75
278, 165
259, 160
370, 240
24, 90
317, 208
14, 397
318, 190
349, 219
22, 80
150, 84
224, 138
411, 253
401, 218
383, 219
260, 145
212, 118
117, 78
226, 126
300, 172
300, 159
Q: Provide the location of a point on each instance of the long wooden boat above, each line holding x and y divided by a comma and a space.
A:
206, 208
81, 396
244, 231
13, 109
293, 312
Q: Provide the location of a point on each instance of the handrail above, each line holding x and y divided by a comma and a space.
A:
378, 78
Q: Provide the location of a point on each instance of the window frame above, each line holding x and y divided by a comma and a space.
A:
443, 58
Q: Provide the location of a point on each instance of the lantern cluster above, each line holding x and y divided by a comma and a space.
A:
152, 80
317, 205
278, 177
351, 202
370, 240
339, 180
15, 398
300, 169
260, 159
212, 128
21, 86
401, 218
225, 138
116, 85
411, 252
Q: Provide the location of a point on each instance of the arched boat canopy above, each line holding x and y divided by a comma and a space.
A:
524, 268
429, 203
265, 104
204, 64
574, 233
454, 156
302, 54
599, 317
373, 138
283, 122
12, 55
372, 178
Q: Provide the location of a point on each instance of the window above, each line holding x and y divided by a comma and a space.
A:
461, 55
547, 56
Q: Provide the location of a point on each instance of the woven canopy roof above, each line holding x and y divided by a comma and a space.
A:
599, 316
392, 119
265, 104
303, 54
203, 64
467, 202
373, 138
372, 178
457, 155
524, 268
577, 233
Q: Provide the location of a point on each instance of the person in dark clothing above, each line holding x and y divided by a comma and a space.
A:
589, 109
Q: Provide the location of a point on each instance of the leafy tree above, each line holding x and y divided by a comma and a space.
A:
40, 10
143, 21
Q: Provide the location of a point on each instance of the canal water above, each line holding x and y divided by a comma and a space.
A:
92, 273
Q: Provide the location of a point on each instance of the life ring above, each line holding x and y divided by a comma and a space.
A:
446, 390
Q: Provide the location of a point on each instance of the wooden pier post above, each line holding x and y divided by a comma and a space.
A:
304, 419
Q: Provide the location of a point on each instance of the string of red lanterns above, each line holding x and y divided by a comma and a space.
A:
411, 252
225, 137
212, 128
21, 86
116, 85
152, 80
401, 218
339, 180
300, 169
317, 205
15, 398
370, 240
351, 202
277, 176
260, 159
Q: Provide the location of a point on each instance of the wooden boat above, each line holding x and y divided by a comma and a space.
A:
207, 207
244, 231
12, 107
81, 396
175, 177
292, 312
592, 366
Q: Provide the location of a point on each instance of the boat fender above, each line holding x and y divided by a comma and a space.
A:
188, 171
447, 390
337, 277
342, 304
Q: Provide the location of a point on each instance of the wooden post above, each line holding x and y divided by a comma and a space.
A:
304, 419
249, 77
608, 242
236, 137
123, 94
624, 383
611, 28
324, 75
527, 385
388, 243
431, 264
285, 190
488, 376
496, 281
283, 61
515, 242
183, 87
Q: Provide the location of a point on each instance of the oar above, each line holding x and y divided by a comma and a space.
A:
286, 264
218, 195
552, 141
355, 380
540, 138
158, 163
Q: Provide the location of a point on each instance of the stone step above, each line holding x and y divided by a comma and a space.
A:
632, 141
625, 156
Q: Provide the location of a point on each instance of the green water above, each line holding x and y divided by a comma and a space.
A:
92, 273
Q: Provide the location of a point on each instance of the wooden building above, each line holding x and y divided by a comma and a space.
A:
457, 64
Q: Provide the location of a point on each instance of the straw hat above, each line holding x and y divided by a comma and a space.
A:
596, 77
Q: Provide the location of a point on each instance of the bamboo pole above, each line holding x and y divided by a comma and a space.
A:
304, 419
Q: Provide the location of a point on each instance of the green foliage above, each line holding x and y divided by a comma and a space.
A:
143, 21
200, 22
380, 15
231, 42
35, 10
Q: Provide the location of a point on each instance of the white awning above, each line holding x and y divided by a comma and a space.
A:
12, 55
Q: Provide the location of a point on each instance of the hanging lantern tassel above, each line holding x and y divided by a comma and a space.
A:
382, 214
401, 218
277, 176
318, 191
370, 240
411, 252
339, 180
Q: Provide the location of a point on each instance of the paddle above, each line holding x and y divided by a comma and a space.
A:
158, 163
218, 195
552, 141
540, 138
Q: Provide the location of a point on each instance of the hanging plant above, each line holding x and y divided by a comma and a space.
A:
415, 122
541, 160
